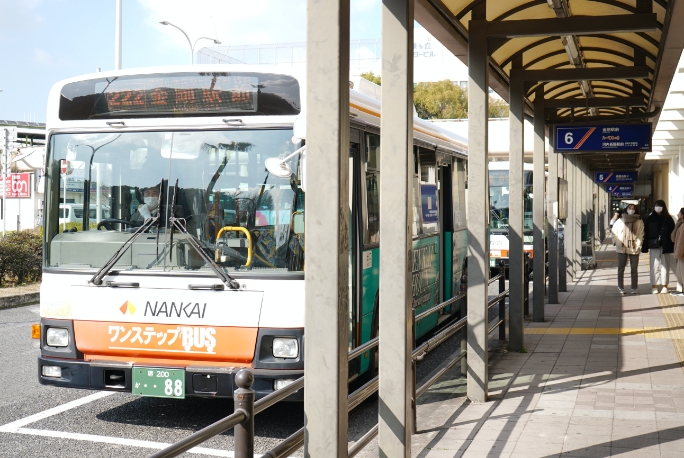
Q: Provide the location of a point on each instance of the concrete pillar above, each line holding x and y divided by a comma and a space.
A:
327, 229
552, 216
478, 208
396, 211
516, 184
538, 203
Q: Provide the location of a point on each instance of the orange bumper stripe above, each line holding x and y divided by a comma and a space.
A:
163, 341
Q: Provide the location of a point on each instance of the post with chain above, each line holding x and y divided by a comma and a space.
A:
244, 400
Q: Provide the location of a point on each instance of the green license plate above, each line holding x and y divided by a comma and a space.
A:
159, 382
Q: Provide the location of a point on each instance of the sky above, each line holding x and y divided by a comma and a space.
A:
45, 41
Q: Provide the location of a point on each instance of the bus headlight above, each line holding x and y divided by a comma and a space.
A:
57, 337
285, 347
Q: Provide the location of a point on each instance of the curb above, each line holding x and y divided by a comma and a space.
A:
19, 299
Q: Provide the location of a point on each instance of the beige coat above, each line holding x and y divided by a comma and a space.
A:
679, 241
618, 231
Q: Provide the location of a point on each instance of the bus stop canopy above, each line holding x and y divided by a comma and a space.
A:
620, 55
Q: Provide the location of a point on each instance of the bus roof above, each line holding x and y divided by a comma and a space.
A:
363, 109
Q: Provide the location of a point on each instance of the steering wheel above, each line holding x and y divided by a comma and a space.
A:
108, 224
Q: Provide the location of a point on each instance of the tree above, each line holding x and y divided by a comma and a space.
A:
440, 100
498, 108
447, 100
372, 77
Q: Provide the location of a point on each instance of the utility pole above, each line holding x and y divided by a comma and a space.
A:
117, 39
8, 134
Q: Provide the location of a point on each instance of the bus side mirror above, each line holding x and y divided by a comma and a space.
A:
298, 223
299, 130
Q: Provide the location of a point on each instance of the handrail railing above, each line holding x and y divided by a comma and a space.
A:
245, 408
278, 395
243, 415
438, 307
358, 351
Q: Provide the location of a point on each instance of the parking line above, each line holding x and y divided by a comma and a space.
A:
120, 441
17, 427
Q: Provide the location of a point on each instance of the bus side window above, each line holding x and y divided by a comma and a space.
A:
428, 191
458, 193
372, 222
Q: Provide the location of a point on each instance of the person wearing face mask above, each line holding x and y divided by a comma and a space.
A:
150, 205
657, 242
628, 232
678, 239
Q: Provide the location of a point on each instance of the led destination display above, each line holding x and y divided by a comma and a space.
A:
178, 94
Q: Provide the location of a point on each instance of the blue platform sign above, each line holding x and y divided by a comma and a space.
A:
615, 177
603, 138
620, 190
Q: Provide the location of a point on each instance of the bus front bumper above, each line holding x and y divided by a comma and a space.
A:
200, 381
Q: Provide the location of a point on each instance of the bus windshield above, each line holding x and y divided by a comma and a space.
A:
213, 181
499, 194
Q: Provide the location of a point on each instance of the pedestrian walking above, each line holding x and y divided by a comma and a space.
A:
678, 239
658, 243
628, 237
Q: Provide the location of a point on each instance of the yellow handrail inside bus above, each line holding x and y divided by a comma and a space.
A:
237, 229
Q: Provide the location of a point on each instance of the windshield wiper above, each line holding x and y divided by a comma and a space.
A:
229, 281
97, 278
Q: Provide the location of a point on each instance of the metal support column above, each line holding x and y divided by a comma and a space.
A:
577, 220
396, 184
516, 269
562, 243
327, 228
552, 212
538, 202
570, 226
478, 207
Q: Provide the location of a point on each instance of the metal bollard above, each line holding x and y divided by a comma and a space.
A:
527, 284
244, 400
414, 397
502, 302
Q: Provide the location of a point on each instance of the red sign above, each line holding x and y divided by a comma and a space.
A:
18, 185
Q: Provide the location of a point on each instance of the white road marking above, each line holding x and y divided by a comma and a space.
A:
121, 441
15, 425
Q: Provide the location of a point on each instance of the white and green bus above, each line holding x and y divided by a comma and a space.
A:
499, 193
198, 269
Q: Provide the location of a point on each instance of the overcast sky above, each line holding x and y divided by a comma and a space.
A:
44, 41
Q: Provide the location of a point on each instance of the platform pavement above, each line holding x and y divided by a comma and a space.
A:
603, 376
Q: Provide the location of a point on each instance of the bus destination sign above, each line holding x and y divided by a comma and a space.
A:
178, 94
615, 177
603, 138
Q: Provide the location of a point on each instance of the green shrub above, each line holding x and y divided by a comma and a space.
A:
21, 257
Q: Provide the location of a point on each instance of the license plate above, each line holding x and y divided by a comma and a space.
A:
159, 382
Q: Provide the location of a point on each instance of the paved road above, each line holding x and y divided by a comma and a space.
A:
39, 421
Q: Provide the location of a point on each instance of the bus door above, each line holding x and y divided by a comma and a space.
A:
355, 245
427, 239
368, 265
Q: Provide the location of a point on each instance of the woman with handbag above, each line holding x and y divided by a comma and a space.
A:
678, 239
628, 234
657, 229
